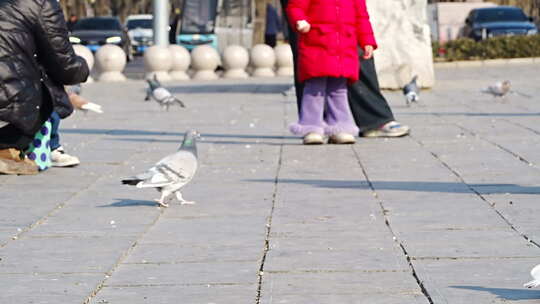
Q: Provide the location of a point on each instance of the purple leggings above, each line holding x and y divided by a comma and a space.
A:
325, 108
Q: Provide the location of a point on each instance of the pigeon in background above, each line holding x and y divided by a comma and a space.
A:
501, 89
172, 172
535, 273
411, 91
161, 95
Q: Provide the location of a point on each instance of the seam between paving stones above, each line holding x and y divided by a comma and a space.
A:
124, 256
471, 188
427, 258
62, 205
176, 285
522, 126
482, 197
389, 226
494, 143
514, 154
270, 217
502, 118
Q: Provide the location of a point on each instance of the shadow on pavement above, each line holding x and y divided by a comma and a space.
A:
473, 114
416, 186
129, 203
253, 88
506, 293
125, 132
217, 142
206, 137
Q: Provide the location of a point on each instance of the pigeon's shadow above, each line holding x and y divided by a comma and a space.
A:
129, 203
506, 293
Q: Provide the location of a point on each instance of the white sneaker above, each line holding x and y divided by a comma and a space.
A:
342, 139
313, 139
59, 158
390, 129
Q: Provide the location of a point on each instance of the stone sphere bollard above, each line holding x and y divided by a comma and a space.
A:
85, 53
284, 58
111, 61
181, 60
263, 60
235, 61
204, 60
157, 62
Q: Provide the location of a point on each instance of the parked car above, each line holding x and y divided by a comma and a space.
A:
494, 21
140, 32
95, 32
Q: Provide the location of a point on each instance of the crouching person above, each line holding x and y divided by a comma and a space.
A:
36, 61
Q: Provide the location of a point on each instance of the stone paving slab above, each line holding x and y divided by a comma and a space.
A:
349, 286
484, 280
442, 216
197, 294
47, 288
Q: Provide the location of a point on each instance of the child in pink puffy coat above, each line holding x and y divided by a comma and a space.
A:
330, 32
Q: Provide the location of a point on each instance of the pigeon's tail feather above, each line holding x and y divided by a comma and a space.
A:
179, 102
131, 181
531, 284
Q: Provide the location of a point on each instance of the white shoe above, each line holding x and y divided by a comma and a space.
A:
313, 139
390, 129
59, 158
342, 139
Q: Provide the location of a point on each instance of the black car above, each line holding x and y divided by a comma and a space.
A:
95, 32
494, 21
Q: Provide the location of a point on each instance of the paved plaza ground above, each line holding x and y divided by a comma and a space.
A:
448, 215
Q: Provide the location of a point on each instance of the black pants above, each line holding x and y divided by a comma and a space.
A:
270, 39
369, 107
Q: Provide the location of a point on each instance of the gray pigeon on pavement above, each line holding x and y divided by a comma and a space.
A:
411, 91
501, 89
161, 95
171, 173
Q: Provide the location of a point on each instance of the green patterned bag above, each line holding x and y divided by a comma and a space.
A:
40, 148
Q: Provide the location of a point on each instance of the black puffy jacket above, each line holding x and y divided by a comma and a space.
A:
36, 60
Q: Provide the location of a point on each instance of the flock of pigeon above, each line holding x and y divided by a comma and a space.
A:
499, 89
174, 171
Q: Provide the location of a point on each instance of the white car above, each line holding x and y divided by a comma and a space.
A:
140, 32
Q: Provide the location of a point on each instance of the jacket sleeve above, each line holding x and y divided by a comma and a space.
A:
364, 30
296, 11
54, 49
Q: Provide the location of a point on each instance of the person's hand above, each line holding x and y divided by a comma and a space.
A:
368, 51
303, 26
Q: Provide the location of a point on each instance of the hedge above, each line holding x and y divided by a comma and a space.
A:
492, 48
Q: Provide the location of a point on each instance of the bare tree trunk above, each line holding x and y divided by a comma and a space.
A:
260, 21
